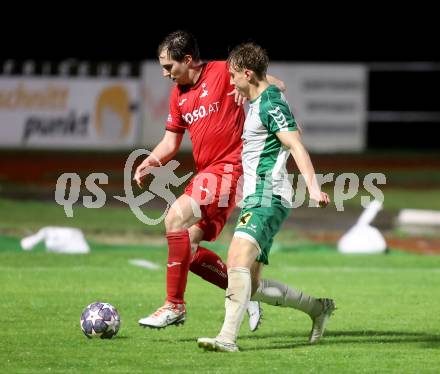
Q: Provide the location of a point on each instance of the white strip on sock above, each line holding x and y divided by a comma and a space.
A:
237, 298
274, 293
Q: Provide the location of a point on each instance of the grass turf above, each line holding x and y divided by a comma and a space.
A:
386, 319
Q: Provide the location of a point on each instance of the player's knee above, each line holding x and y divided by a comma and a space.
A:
232, 258
242, 253
173, 222
237, 259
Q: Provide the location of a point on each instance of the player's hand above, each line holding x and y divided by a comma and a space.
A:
142, 171
238, 98
322, 199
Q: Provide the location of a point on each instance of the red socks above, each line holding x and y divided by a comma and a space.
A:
209, 266
179, 255
205, 263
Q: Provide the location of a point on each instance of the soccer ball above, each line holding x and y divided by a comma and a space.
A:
100, 320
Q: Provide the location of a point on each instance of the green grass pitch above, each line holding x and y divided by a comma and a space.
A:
387, 319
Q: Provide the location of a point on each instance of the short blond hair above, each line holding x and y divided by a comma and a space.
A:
249, 56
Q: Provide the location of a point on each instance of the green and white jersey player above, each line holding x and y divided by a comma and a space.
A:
264, 157
267, 191
270, 135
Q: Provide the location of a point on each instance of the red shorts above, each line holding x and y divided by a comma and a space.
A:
215, 191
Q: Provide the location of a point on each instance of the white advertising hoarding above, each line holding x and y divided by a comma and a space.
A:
155, 92
62, 113
329, 102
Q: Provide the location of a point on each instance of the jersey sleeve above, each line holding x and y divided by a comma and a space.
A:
175, 122
276, 116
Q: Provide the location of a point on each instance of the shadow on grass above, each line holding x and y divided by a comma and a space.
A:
347, 337
293, 340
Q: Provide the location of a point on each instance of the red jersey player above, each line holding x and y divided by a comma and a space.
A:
202, 103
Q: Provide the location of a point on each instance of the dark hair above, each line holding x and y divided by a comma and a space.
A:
178, 44
249, 56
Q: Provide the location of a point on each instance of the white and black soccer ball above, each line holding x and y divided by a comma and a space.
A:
100, 320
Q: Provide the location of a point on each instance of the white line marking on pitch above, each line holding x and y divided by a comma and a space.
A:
144, 264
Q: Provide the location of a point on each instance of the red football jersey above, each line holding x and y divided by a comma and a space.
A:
213, 119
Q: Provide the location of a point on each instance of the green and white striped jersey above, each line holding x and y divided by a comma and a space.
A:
264, 157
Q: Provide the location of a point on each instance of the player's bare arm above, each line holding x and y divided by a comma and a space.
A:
292, 140
276, 82
238, 97
162, 153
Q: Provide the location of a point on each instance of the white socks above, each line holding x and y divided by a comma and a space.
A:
274, 293
237, 298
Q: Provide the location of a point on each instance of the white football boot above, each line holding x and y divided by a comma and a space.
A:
255, 313
212, 344
320, 321
167, 315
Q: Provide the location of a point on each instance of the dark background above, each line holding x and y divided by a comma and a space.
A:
356, 33
289, 31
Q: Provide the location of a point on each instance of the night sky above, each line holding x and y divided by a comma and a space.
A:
315, 34
322, 33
